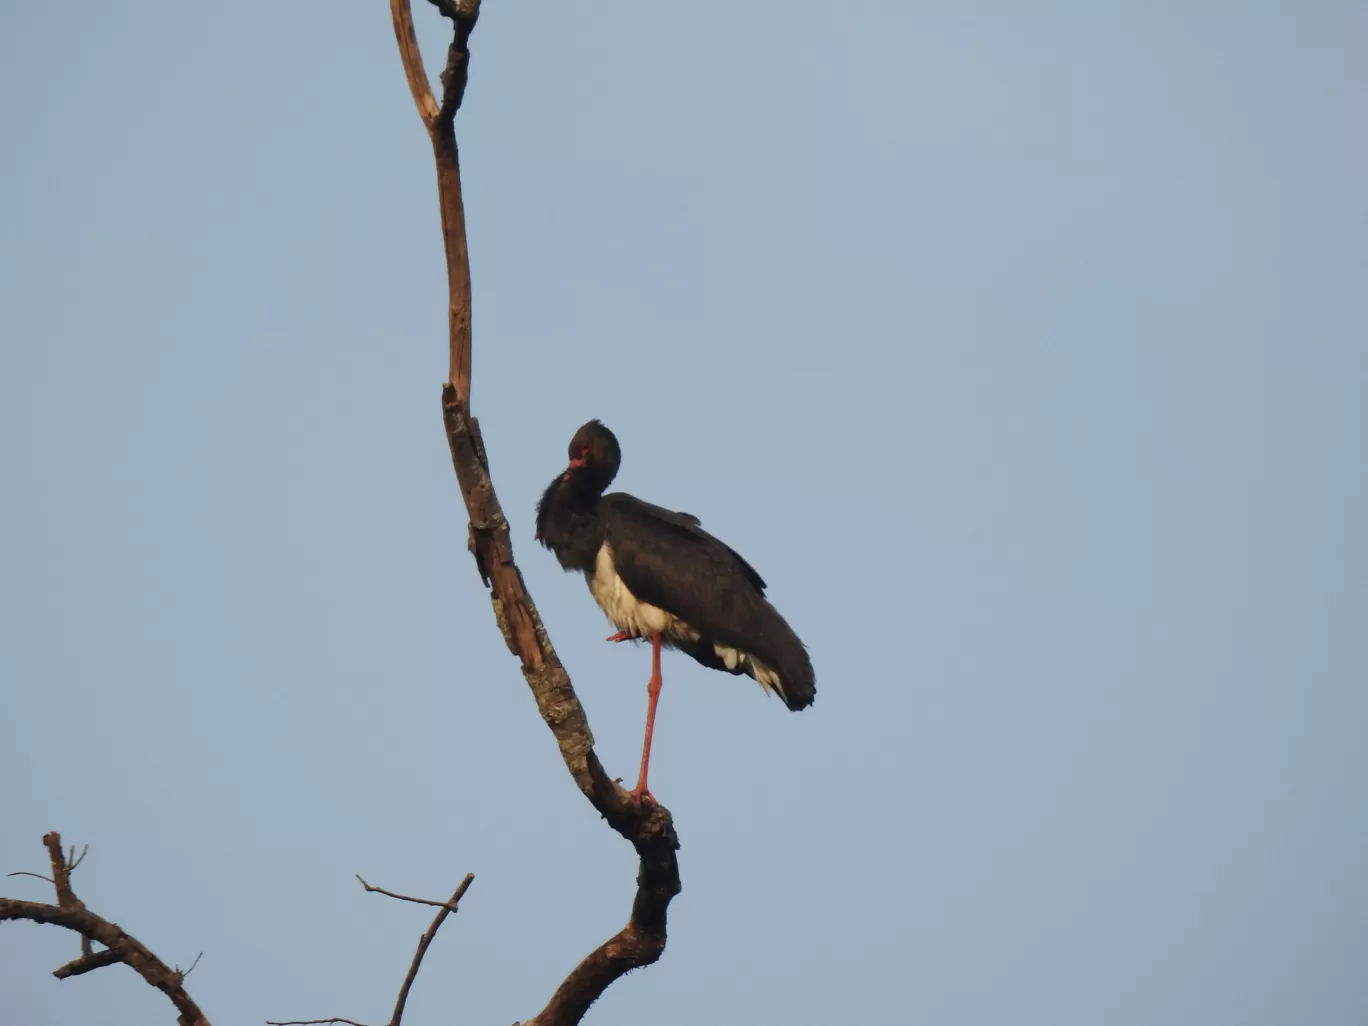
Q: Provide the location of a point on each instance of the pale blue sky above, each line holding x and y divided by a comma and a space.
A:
1022, 349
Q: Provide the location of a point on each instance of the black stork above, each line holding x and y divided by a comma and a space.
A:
658, 575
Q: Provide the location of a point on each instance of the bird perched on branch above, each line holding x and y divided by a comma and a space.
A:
659, 576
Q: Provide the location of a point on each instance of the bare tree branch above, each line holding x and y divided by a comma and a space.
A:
423, 943
649, 828
71, 913
463, 16
87, 964
445, 909
417, 901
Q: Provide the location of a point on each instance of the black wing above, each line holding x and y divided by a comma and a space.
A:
646, 516
668, 560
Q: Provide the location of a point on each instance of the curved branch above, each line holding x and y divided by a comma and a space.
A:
649, 828
440, 123
413, 63
73, 915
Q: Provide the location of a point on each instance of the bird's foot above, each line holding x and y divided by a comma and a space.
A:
640, 793
621, 636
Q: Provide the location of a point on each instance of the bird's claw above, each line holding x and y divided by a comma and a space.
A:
621, 636
638, 793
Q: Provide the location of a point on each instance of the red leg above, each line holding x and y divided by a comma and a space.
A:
653, 690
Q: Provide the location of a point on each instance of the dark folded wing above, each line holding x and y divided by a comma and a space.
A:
637, 521
669, 561
666, 559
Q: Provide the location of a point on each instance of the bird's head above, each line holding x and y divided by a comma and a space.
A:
594, 456
594, 459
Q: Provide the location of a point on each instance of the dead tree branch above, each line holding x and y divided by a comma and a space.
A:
87, 963
423, 943
445, 909
450, 906
649, 828
71, 913
440, 123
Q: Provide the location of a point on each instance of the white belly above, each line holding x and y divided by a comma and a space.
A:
641, 619
623, 608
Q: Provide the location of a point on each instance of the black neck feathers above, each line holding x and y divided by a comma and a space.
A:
567, 516
568, 524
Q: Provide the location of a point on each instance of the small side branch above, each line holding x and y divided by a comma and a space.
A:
70, 912
87, 963
449, 905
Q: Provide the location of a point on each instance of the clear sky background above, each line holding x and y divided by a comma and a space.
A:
1022, 348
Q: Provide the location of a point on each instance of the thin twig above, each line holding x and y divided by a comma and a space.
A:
404, 897
423, 943
40, 876
187, 972
310, 1022
72, 863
